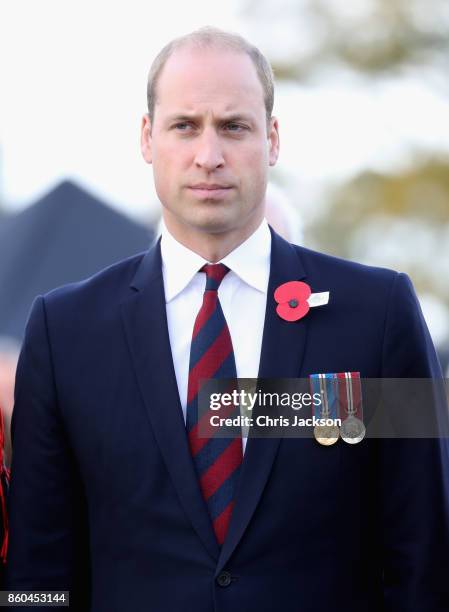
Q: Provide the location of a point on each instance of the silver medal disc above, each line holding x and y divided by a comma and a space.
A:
352, 430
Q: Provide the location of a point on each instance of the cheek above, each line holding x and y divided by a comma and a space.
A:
255, 157
172, 158
165, 164
254, 167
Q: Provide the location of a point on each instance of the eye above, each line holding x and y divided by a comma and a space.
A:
235, 127
183, 126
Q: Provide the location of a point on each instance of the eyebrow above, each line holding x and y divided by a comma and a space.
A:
235, 117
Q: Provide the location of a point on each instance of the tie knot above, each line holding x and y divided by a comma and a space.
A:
215, 273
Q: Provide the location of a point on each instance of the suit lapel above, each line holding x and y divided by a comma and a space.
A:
145, 321
282, 351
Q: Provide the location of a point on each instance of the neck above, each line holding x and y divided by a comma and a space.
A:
211, 246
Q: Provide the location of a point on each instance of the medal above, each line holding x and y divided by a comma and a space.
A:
352, 429
325, 434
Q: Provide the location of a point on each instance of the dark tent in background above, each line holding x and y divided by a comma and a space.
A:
65, 236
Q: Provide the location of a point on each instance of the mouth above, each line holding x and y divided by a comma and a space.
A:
210, 191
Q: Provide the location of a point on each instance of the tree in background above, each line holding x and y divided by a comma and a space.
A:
399, 219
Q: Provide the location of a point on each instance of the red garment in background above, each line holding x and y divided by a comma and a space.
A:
4, 484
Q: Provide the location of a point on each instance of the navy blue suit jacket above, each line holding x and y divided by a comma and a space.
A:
104, 500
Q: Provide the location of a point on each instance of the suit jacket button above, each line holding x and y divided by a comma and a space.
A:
224, 579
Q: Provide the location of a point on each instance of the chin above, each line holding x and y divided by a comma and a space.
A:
214, 223
213, 227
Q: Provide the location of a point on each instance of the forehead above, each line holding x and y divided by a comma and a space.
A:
194, 79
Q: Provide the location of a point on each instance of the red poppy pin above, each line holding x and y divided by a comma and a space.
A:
292, 301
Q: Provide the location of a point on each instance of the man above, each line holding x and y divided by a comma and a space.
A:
112, 496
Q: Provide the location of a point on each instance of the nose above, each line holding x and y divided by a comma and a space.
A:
209, 154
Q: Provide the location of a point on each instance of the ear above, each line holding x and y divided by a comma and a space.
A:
273, 141
145, 139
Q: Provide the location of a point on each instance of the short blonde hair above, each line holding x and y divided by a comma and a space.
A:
213, 37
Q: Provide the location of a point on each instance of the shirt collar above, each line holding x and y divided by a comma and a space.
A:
250, 261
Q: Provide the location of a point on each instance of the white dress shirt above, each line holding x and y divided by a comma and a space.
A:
242, 294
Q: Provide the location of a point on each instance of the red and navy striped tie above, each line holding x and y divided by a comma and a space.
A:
217, 460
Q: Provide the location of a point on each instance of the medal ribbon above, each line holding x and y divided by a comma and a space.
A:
327, 386
350, 395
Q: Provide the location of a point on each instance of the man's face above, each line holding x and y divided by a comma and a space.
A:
209, 143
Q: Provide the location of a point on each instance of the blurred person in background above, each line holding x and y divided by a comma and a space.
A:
115, 496
9, 353
283, 217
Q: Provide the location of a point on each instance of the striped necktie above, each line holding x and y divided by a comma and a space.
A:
217, 460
